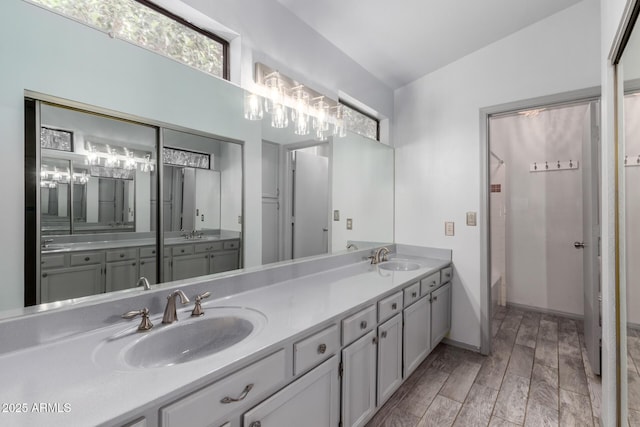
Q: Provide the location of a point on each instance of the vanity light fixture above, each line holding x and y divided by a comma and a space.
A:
282, 94
115, 157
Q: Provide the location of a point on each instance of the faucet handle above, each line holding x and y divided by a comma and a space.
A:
145, 324
197, 310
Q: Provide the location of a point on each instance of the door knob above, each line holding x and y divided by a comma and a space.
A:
578, 245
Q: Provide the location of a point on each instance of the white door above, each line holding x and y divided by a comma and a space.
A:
591, 235
389, 357
417, 332
270, 203
310, 205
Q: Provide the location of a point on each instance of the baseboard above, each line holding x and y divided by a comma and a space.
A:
546, 311
462, 345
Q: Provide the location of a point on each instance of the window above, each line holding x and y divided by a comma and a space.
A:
359, 122
149, 26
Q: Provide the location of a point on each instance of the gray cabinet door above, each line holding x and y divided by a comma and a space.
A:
148, 269
72, 282
440, 314
188, 266
389, 357
359, 381
311, 401
223, 261
121, 275
416, 333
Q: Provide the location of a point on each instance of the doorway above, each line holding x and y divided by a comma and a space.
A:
543, 199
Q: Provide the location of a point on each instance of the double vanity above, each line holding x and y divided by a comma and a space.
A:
317, 341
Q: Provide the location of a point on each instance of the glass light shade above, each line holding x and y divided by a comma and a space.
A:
275, 92
321, 115
339, 125
252, 107
301, 124
321, 135
279, 117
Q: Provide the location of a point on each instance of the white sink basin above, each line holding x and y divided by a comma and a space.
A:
399, 265
188, 339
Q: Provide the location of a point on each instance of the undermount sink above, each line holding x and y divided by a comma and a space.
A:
188, 339
399, 265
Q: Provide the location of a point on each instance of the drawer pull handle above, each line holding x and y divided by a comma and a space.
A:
383, 334
182, 250
87, 258
322, 348
255, 424
394, 306
153, 252
133, 264
244, 394
447, 274
414, 294
44, 274
432, 284
121, 255
363, 324
374, 340
435, 298
141, 262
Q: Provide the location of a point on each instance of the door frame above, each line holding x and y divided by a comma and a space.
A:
581, 95
287, 193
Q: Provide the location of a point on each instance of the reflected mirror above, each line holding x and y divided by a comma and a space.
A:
630, 165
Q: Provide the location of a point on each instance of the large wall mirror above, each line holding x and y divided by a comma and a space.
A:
629, 171
107, 130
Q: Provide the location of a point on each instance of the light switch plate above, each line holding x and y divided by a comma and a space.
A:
239, 219
336, 215
471, 219
202, 218
449, 228
349, 224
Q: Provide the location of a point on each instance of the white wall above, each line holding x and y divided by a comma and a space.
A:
437, 134
231, 195
362, 189
544, 209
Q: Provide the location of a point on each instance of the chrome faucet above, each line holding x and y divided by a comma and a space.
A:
352, 245
45, 243
144, 283
170, 314
380, 255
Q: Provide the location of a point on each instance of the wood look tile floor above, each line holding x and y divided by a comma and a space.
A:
537, 375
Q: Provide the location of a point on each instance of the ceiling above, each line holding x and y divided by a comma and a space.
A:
401, 41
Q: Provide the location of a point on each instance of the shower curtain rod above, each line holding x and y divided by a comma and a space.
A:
497, 157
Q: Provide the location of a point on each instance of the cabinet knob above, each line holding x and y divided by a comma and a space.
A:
394, 306
121, 255
255, 424
432, 284
374, 340
182, 250
414, 294
322, 348
242, 395
133, 264
44, 274
87, 258
435, 298
141, 262
383, 334
363, 324
153, 252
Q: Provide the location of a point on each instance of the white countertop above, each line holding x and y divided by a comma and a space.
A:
66, 372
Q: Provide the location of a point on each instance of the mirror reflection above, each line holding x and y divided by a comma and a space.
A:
99, 209
631, 172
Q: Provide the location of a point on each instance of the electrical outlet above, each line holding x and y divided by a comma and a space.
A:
239, 219
336, 215
349, 224
202, 217
449, 227
471, 219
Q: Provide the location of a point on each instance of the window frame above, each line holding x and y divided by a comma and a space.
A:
341, 101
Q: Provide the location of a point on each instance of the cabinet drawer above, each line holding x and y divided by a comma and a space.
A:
207, 247
148, 252
52, 261
446, 274
356, 325
411, 294
241, 389
389, 306
312, 350
87, 258
429, 283
232, 244
121, 254
182, 250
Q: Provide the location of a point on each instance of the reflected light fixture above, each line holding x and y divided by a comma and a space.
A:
252, 106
